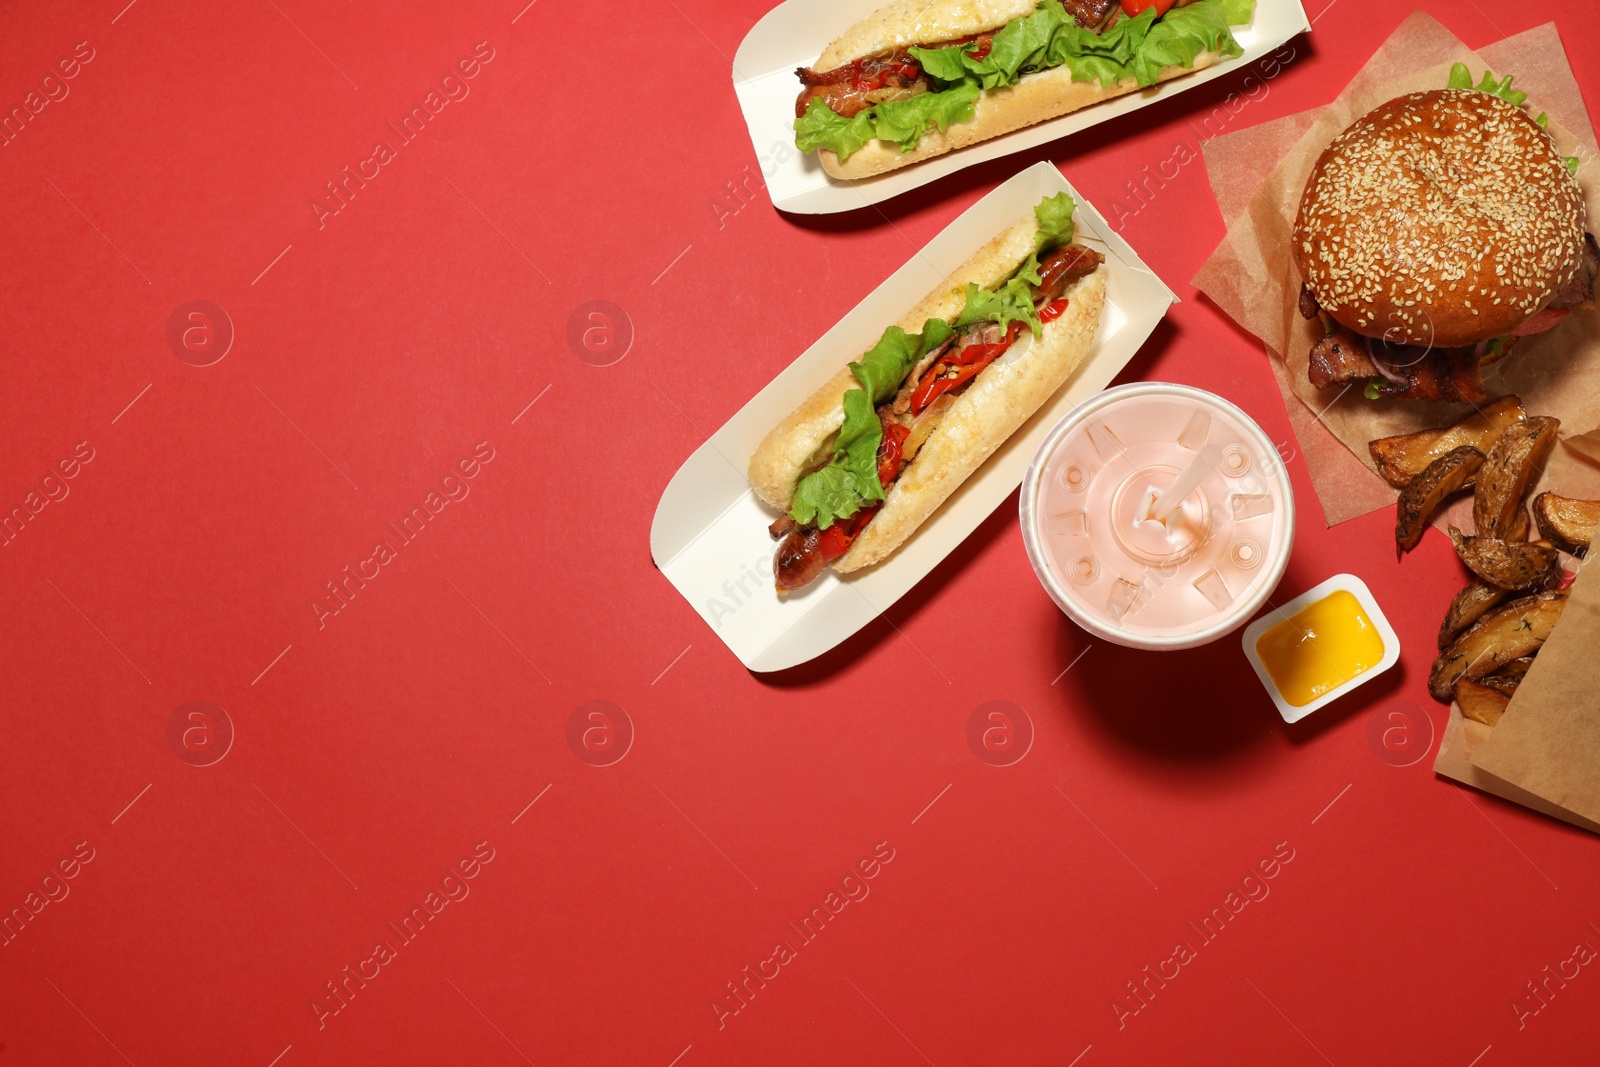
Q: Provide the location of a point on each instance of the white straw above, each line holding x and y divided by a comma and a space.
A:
1162, 505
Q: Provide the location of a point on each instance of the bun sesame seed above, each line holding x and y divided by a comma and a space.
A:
1440, 218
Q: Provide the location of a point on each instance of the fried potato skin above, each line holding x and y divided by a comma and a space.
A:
1509, 564
1510, 632
1507, 678
1401, 458
1567, 522
1510, 466
1467, 607
1445, 476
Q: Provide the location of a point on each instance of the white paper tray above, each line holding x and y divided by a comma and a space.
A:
709, 534
794, 33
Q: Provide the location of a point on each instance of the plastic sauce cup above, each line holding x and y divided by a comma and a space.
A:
1089, 494
1320, 645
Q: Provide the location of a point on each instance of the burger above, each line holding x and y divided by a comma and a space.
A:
1435, 232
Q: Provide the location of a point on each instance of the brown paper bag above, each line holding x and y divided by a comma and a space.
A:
1463, 740
1259, 174
1548, 741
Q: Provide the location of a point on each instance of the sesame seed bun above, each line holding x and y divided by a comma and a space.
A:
1440, 218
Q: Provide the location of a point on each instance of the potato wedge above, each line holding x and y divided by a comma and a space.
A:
1401, 458
1509, 564
1567, 522
1448, 474
1509, 632
1507, 678
1467, 607
1510, 466
1480, 703
1519, 526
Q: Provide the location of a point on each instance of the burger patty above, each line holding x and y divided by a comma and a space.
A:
1342, 356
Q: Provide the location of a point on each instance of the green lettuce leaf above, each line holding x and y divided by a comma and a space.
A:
850, 479
1181, 35
1105, 57
1055, 221
1012, 302
823, 127
905, 121
941, 64
1046, 38
883, 367
1138, 48
1055, 228
1461, 78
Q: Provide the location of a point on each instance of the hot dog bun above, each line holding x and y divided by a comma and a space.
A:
805, 438
1036, 98
999, 400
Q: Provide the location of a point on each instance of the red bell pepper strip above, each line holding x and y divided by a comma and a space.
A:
890, 451
939, 381
876, 80
835, 541
966, 363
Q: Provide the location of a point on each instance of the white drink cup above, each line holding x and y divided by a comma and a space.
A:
1119, 554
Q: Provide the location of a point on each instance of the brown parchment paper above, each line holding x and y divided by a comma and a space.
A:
1548, 741
1258, 175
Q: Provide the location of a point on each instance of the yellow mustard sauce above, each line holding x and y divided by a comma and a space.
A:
1320, 647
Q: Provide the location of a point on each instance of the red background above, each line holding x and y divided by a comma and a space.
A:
592, 161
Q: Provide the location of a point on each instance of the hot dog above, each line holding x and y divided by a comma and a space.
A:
869, 456
917, 78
